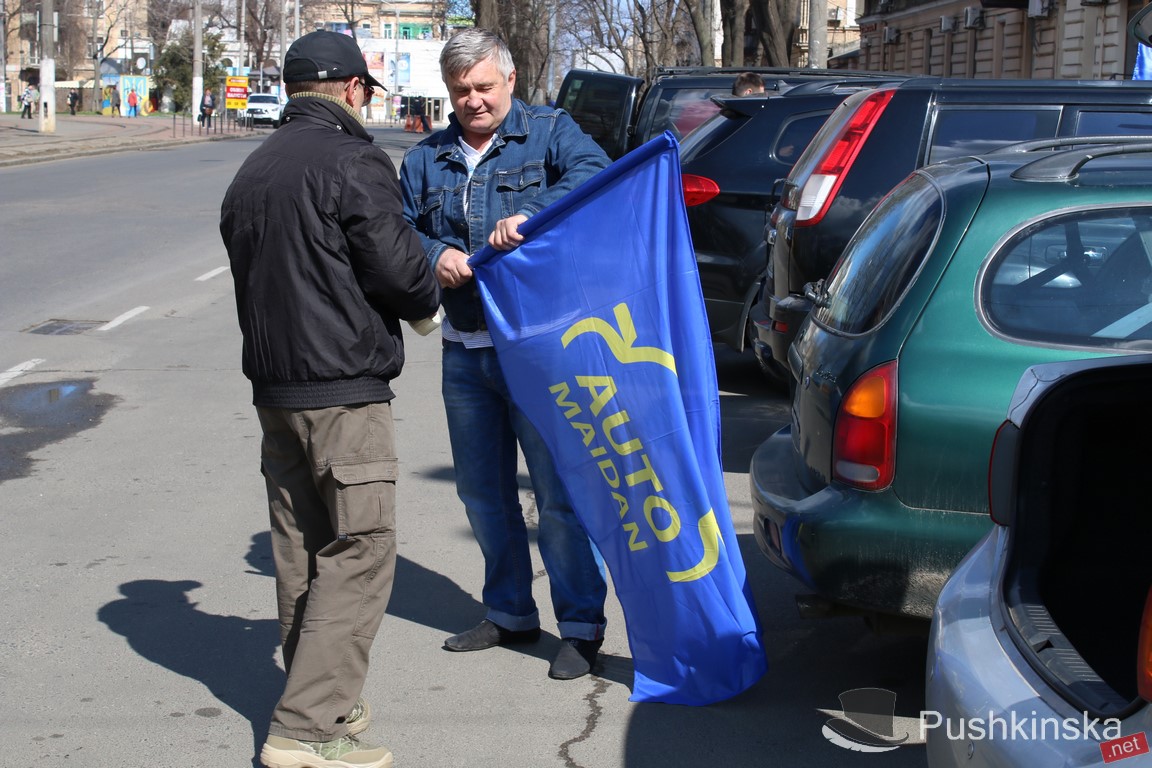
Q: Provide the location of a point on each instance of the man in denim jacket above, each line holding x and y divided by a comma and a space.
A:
499, 162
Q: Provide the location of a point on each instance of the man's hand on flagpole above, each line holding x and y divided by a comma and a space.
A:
452, 268
507, 235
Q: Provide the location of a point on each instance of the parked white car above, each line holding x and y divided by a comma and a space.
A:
262, 108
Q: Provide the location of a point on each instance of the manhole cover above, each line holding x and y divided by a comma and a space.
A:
65, 327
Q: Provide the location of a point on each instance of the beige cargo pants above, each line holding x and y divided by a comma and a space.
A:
331, 479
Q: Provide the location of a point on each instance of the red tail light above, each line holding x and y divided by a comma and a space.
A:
698, 189
824, 182
864, 441
1144, 657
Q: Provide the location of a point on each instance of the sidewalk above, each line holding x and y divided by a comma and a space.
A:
82, 135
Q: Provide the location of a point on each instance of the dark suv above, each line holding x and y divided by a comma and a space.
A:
727, 166
733, 149
622, 112
876, 138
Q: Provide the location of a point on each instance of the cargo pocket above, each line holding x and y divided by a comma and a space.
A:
366, 497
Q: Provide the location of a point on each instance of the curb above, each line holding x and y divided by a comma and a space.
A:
125, 145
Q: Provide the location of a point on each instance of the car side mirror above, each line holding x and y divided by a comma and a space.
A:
1141, 25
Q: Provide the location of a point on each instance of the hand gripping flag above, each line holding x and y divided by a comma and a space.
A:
599, 326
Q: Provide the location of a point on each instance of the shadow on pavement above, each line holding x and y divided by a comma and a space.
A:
234, 657
778, 721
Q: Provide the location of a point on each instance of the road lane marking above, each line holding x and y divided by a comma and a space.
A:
15, 371
123, 318
212, 274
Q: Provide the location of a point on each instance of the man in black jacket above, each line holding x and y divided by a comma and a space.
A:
325, 268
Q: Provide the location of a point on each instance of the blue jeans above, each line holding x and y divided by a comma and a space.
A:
485, 426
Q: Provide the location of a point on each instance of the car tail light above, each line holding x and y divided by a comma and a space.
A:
1144, 657
698, 189
824, 182
1002, 474
864, 442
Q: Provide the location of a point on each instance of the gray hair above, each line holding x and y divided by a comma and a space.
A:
469, 47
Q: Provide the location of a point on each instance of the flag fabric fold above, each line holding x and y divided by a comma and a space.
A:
599, 325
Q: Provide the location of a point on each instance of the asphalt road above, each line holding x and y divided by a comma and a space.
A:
137, 625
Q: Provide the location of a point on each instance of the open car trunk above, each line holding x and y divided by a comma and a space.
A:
1079, 509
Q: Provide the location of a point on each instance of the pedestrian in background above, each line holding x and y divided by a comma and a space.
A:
27, 99
748, 84
133, 103
419, 124
325, 268
207, 107
114, 100
455, 197
73, 100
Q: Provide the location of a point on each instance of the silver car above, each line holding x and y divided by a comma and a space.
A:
1041, 642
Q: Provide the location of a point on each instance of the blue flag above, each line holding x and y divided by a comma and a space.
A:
599, 325
1142, 69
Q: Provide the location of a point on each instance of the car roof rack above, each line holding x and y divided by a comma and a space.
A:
1064, 166
1067, 142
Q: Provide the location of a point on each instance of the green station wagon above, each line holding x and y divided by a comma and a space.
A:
966, 274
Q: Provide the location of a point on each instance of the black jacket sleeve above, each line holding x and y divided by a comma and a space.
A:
387, 257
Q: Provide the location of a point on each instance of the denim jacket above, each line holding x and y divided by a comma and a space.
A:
538, 155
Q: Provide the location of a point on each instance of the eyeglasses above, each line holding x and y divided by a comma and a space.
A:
368, 90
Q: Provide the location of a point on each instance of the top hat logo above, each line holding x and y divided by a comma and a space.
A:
868, 721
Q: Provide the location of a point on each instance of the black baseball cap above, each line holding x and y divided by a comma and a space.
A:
324, 55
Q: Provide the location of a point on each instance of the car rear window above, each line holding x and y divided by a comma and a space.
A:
684, 110
785, 145
595, 105
976, 131
1081, 278
882, 258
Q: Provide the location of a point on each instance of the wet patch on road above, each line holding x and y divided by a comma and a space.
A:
33, 416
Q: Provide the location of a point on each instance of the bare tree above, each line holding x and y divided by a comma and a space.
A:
776, 23
700, 15
524, 26
732, 47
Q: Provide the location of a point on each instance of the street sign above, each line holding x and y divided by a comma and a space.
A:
236, 93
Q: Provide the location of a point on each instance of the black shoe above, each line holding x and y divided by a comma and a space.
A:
486, 634
576, 658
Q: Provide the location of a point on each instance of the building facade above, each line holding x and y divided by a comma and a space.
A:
1061, 39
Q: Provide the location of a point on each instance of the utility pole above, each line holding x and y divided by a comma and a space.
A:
197, 56
3, 56
97, 55
48, 66
818, 34
283, 41
243, 42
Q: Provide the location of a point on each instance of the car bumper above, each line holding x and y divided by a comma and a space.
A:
863, 550
777, 325
992, 709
